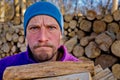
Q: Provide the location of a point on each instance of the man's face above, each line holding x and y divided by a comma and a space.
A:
43, 37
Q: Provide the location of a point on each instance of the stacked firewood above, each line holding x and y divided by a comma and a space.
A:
12, 39
90, 37
95, 37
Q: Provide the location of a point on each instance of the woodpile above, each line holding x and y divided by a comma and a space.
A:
98, 38
90, 37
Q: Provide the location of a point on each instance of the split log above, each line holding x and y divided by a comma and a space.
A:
116, 15
98, 69
92, 51
71, 43
115, 48
105, 74
99, 26
91, 14
78, 51
105, 60
116, 70
81, 76
85, 25
104, 41
113, 27
47, 69
108, 18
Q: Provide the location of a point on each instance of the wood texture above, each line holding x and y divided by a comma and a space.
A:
47, 69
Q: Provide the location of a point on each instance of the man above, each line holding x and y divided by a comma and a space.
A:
43, 28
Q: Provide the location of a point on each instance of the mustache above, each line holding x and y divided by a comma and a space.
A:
43, 45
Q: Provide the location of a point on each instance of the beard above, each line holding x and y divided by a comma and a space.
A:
40, 54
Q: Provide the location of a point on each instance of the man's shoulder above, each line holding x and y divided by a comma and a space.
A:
11, 59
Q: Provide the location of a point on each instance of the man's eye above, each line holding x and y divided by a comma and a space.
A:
34, 28
51, 27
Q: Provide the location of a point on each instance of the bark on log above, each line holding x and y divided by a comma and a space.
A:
115, 48
105, 60
92, 51
99, 26
47, 69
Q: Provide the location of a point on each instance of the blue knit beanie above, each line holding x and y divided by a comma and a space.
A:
43, 8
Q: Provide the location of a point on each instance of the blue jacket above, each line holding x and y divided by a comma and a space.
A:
25, 58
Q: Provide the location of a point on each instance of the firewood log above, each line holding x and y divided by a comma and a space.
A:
113, 27
8, 36
68, 17
47, 69
105, 74
116, 15
115, 48
99, 26
80, 34
66, 25
108, 18
103, 41
78, 51
105, 60
91, 14
71, 43
15, 37
71, 34
73, 24
116, 70
85, 25
92, 51
99, 17
118, 36
21, 39
85, 40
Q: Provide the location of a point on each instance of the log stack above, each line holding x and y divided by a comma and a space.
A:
89, 37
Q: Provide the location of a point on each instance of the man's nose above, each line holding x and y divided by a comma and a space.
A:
42, 36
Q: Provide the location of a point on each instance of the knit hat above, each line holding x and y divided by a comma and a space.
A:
43, 8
